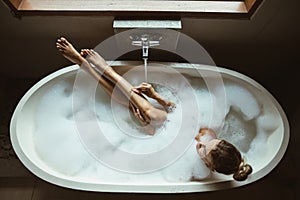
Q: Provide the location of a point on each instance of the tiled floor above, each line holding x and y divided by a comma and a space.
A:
17, 183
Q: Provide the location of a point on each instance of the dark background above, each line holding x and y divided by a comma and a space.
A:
265, 48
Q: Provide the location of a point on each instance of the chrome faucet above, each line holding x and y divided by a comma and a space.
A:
145, 41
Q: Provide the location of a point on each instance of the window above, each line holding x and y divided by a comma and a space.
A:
137, 8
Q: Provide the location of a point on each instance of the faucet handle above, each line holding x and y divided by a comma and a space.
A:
145, 41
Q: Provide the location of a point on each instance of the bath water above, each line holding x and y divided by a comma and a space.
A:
58, 144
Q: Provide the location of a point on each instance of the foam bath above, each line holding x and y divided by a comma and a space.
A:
46, 139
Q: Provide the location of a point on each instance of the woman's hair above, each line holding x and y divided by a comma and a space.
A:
227, 159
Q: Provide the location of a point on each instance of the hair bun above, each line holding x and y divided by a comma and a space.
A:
242, 173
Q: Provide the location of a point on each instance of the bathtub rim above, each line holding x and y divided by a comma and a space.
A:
189, 187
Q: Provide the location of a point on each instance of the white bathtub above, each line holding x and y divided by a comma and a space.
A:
22, 136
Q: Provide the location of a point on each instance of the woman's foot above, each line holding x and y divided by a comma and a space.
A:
94, 58
68, 51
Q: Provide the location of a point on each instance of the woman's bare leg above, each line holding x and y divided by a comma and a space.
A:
144, 88
143, 110
107, 71
69, 52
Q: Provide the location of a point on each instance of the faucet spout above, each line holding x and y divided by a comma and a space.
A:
145, 50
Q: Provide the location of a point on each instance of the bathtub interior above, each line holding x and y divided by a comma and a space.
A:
264, 157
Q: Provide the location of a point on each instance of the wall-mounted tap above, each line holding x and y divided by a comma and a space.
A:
147, 33
145, 41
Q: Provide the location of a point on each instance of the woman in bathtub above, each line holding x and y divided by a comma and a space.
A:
149, 116
218, 155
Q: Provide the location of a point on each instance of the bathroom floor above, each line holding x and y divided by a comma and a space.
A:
16, 182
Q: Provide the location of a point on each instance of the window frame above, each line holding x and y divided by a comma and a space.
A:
232, 9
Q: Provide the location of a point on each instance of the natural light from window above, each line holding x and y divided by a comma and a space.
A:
153, 8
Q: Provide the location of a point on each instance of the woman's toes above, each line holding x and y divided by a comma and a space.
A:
92, 52
83, 52
61, 43
59, 46
88, 51
64, 41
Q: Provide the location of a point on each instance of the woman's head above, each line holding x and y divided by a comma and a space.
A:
223, 157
